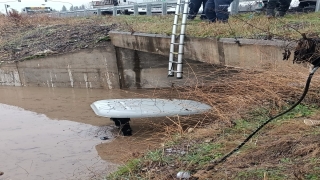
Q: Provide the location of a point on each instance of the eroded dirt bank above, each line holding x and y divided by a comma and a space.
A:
25, 37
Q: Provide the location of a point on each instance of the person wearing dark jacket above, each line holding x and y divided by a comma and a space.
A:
194, 6
283, 6
217, 10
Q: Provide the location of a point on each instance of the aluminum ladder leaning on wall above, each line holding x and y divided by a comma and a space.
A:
175, 57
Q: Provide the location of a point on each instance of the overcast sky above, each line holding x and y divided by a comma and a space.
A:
57, 5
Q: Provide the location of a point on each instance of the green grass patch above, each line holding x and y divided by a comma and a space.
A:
34, 57
299, 111
105, 38
126, 169
286, 160
312, 176
314, 173
202, 154
260, 115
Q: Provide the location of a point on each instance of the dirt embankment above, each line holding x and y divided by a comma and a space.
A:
26, 37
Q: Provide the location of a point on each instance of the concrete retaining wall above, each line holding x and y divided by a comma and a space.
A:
90, 68
139, 69
258, 54
199, 49
141, 61
9, 75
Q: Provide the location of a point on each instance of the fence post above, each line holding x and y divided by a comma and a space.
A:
235, 7
164, 8
318, 6
149, 13
99, 12
135, 9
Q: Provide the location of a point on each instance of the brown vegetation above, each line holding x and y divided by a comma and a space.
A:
27, 37
241, 100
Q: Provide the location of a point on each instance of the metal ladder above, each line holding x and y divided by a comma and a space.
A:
176, 57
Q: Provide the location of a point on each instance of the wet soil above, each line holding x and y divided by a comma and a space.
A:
21, 40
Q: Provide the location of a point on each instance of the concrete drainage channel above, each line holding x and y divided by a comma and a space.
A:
140, 61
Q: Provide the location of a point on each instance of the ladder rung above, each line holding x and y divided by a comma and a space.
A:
180, 24
175, 71
176, 53
178, 43
180, 14
178, 34
175, 62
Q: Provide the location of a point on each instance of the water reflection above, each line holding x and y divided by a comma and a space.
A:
61, 103
55, 135
36, 147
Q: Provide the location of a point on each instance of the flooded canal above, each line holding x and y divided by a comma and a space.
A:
52, 134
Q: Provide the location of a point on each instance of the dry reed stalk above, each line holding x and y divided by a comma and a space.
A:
231, 98
310, 122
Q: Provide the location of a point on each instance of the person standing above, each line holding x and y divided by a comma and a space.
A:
194, 6
217, 10
282, 9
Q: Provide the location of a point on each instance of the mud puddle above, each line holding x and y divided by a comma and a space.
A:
61, 103
36, 147
52, 133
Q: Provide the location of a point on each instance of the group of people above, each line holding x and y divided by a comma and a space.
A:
217, 10
213, 10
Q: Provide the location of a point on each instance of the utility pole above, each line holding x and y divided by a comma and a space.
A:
6, 6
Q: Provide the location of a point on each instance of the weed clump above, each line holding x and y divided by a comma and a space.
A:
15, 16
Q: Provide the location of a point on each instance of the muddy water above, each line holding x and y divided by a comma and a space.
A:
52, 133
61, 103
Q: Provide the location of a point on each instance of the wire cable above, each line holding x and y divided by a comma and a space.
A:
306, 89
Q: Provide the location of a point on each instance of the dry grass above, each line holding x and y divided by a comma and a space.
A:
244, 25
234, 97
250, 25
